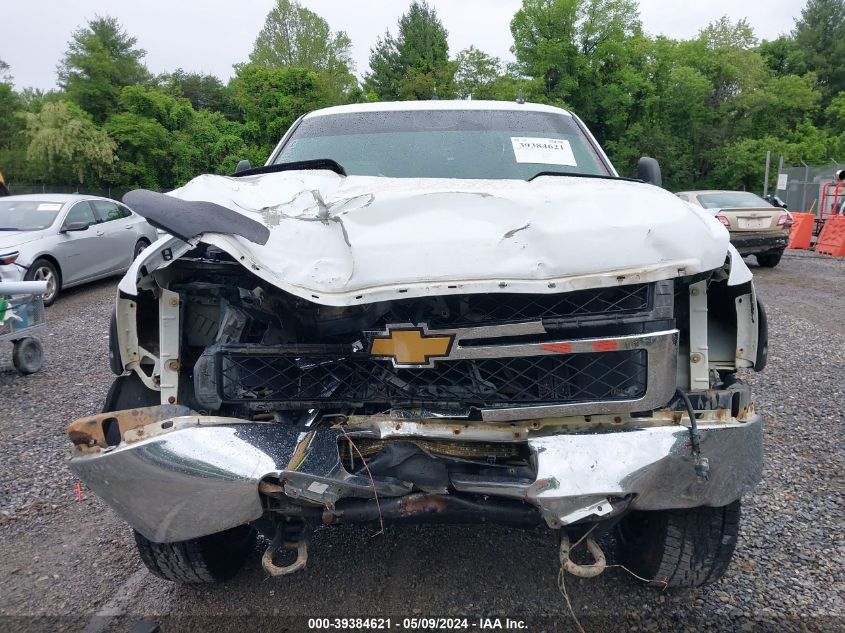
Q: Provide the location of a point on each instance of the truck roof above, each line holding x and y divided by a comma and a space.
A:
404, 106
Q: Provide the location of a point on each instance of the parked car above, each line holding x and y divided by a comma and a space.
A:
757, 227
68, 240
430, 311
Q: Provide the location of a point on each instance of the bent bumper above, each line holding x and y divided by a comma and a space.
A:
747, 244
175, 476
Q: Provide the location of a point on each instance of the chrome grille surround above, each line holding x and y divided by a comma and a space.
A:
332, 375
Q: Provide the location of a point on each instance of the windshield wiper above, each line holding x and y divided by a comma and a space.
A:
575, 174
299, 165
9, 228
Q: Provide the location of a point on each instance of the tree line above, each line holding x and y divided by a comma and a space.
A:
708, 108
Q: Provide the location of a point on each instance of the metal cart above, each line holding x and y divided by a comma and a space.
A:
21, 315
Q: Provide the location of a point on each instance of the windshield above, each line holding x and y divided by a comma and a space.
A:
446, 144
27, 215
731, 200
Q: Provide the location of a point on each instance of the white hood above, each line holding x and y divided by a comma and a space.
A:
346, 240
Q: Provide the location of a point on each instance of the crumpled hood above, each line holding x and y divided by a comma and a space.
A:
345, 240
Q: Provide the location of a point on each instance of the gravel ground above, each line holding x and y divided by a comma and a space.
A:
73, 565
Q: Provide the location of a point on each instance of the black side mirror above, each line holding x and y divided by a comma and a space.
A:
648, 170
243, 165
75, 226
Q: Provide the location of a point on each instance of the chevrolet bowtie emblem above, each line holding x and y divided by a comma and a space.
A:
411, 346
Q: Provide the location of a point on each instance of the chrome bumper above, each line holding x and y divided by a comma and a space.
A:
200, 474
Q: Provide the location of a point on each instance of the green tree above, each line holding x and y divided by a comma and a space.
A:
10, 103
415, 64
210, 143
205, 92
723, 33
5, 74
12, 145
544, 34
579, 50
783, 56
724, 52
835, 113
294, 36
65, 146
778, 107
384, 80
820, 34
101, 58
476, 71
10, 123
271, 99
146, 128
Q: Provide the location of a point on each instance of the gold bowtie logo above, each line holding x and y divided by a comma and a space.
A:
410, 346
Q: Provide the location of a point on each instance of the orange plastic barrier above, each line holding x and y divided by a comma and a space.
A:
802, 230
832, 238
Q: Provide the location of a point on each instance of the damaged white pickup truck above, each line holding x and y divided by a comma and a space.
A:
441, 311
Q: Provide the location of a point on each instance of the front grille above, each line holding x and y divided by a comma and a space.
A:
463, 310
248, 374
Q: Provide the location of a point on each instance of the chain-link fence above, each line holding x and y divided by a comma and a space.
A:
114, 193
808, 188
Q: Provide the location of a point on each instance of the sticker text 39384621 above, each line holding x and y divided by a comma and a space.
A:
548, 151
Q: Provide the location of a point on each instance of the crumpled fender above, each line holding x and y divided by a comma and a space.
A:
739, 272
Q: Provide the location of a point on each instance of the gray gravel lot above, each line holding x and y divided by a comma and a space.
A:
66, 561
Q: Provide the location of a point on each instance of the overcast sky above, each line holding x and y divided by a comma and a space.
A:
211, 35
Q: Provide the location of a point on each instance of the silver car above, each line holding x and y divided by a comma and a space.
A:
67, 240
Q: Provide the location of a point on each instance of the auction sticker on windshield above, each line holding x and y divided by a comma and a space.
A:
544, 151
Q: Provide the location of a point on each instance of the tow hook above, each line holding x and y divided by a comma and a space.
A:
279, 545
582, 571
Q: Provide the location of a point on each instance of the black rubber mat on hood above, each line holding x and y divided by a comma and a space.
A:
186, 218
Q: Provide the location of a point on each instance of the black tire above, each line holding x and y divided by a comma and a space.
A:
769, 260
209, 559
140, 245
45, 270
680, 548
27, 355
128, 392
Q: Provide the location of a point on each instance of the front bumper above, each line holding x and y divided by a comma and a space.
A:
749, 243
174, 475
12, 272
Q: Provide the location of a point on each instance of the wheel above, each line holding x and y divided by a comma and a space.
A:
44, 270
27, 355
140, 245
680, 548
769, 260
208, 559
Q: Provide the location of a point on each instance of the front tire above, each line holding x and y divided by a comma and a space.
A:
680, 548
44, 270
213, 558
140, 245
769, 260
